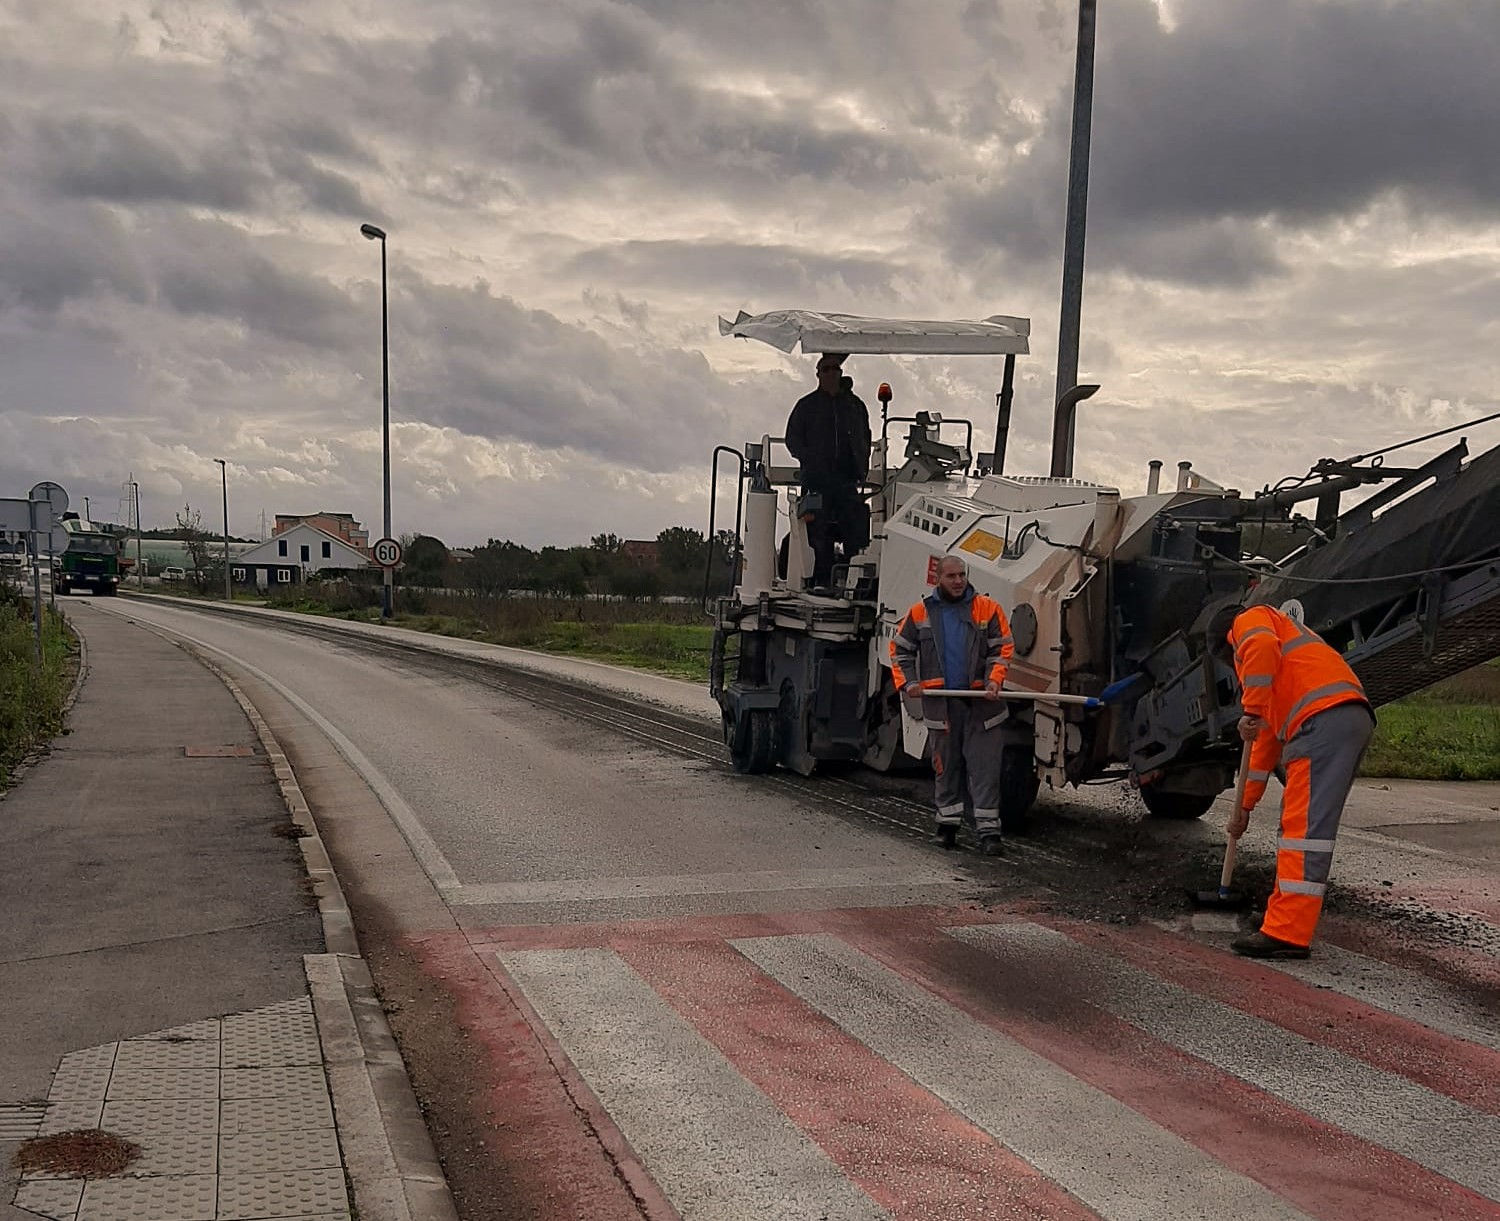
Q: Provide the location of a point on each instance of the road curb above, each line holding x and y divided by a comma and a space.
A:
392, 1166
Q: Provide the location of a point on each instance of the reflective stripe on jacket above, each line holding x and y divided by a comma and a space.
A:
917, 646
1287, 674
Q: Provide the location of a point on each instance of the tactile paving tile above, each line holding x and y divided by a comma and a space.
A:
131, 1115
251, 1153
55, 1198
296, 1193
69, 1116
185, 1197
173, 1151
271, 1026
294, 1081
83, 1074
344, 1216
256, 1051
208, 1029
164, 1083
274, 1114
154, 1055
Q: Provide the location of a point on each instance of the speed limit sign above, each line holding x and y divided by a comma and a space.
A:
387, 552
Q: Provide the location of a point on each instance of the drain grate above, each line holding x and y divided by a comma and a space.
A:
217, 752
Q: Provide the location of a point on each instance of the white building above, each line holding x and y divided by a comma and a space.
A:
292, 556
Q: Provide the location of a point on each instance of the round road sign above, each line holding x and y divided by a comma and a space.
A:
387, 552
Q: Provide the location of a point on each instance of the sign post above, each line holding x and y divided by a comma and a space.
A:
387, 553
45, 506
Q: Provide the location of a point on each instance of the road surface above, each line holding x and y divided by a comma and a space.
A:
628, 982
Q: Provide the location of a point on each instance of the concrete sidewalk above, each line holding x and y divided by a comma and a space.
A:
167, 977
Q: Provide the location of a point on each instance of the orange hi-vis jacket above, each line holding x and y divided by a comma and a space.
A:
1287, 674
917, 647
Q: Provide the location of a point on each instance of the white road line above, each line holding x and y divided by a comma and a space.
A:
1407, 994
686, 1111
1429, 1128
581, 890
1122, 1165
423, 847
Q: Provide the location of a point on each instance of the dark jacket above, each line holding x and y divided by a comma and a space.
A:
829, 435
917, 650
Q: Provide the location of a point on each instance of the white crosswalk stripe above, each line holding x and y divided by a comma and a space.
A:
1117, 1162
1432, 1130
1407, 994
633, 1050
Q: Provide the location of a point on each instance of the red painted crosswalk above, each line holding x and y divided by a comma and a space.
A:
964, 1062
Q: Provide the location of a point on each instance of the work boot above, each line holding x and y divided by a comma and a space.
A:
946, 836
991, 845
1261, 945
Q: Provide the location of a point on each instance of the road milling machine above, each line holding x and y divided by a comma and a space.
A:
1109, 595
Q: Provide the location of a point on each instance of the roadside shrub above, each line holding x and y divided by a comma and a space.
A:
31, 697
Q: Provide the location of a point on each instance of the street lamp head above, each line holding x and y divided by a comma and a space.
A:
373, 232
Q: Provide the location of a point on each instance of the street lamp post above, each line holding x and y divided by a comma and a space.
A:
374, 233
224, 479
140, 569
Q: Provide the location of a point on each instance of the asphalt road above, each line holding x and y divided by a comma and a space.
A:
630, 983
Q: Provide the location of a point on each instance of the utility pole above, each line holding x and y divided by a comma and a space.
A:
1077, 217
224, 478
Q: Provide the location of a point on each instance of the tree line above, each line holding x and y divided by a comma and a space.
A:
603, 567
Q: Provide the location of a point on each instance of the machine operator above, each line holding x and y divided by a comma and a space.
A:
828, 433
956, 638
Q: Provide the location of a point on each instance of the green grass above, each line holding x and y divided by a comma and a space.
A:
31, 698
662, 637
1450, 731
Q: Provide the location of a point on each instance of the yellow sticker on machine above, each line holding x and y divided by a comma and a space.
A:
983, 543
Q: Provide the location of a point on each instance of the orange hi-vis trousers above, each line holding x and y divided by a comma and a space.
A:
1321, 761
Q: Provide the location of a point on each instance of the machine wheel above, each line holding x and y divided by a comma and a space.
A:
1018, 788
752, 741
1165, 803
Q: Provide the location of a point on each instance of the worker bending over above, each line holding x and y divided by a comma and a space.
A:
1305, 709
958, 639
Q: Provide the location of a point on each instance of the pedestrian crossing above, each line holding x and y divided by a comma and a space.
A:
935, 1063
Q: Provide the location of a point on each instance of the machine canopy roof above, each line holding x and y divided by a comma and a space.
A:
784, 329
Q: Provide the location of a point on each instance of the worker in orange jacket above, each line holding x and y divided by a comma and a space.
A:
1305, 710
959, 639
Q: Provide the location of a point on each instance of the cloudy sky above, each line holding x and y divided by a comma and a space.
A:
1294, 235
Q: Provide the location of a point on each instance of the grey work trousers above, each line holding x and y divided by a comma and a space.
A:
968, 749
1321, 762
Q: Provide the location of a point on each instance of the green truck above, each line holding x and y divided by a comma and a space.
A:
90, 562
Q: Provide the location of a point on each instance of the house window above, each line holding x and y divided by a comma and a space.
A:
306, 553
237, 573
328, 551
284, 575
281, 546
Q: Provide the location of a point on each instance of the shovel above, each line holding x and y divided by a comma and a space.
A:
1227, 898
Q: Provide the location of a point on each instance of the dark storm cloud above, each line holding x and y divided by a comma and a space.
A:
735, 272
97, 158
491, 368
76, 252
213, 270
1250, 111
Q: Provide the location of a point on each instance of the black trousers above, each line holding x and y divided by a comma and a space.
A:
840, 514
